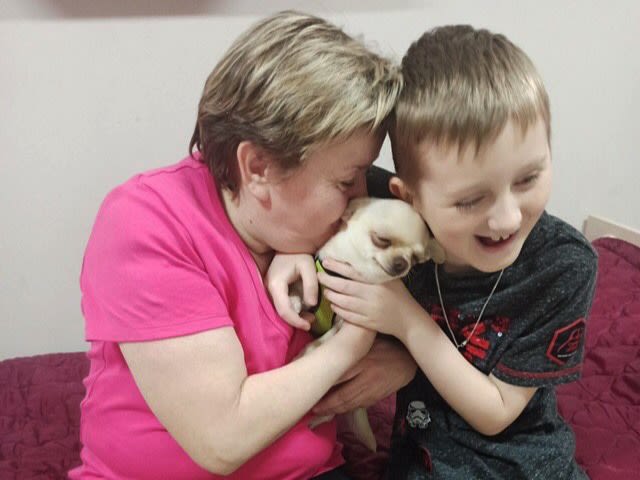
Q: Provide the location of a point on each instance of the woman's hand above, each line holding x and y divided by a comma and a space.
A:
388, 307
383, 371
285, 270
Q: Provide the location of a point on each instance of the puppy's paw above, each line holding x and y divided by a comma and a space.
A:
296, 303
319, 420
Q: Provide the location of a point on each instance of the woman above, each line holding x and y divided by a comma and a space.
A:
193, 374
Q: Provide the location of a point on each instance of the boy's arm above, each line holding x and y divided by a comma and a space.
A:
488, 404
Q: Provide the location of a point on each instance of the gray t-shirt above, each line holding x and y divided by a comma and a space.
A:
531, 334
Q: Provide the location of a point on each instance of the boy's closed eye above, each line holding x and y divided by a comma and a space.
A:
525, 182
528, 180
469, 203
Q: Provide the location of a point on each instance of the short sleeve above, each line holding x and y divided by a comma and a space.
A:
142, 278
549, 349
378, 182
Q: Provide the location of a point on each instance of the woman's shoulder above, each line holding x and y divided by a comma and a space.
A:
185, 177
173, 208
169, 191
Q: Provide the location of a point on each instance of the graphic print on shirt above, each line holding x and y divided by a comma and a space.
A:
482, 341
417, 420
565, 342
418, 415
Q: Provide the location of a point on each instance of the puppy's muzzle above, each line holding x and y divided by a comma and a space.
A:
399, 265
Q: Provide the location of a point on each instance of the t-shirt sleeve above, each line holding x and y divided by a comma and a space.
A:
142, 278
378, 182
550, 349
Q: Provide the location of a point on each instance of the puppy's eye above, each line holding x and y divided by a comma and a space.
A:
380, 242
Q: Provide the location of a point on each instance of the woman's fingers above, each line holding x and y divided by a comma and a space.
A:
308, 276
283, 305
292, 318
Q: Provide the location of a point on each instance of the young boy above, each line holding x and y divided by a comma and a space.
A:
502, 321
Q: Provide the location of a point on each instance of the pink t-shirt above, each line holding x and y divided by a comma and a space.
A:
164, 261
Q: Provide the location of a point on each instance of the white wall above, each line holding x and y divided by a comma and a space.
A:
92, 92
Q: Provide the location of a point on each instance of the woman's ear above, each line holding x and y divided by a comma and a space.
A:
253, 166
400, 189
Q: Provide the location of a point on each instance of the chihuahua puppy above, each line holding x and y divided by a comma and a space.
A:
381, 239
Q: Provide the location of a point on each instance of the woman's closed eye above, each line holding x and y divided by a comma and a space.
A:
347, 184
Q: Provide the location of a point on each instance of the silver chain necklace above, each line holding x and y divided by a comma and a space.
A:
444, 312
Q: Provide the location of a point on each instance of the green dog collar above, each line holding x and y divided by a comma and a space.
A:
323, 312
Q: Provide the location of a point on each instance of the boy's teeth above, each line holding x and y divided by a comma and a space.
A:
499, 237
493, 240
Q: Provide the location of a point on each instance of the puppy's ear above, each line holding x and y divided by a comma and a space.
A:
435, 250
353, 205
422, 254
400, 189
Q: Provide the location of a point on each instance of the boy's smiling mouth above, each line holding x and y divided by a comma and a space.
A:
496, 242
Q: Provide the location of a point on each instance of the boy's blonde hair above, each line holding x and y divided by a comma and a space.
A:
289, 84
462, 85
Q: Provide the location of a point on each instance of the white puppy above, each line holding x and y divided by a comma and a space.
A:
381, 239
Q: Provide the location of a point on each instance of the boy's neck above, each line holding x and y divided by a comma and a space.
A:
454, 268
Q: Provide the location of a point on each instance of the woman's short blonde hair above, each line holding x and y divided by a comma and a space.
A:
462, 85
289, 84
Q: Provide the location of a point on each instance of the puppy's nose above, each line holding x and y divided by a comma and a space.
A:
399, 265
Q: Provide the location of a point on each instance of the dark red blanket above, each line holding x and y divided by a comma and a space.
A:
40, 415
40, 396
603, 407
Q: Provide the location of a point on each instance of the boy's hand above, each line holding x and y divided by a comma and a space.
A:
388, 307
284, 270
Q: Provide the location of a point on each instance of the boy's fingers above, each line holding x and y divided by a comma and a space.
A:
351, 317
330, 281
337, 284
340, 268
344, 302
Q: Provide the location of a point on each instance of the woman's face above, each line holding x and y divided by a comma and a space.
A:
307, 204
